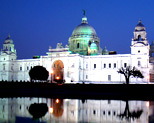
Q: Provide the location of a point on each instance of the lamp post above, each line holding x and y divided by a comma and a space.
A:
51, 76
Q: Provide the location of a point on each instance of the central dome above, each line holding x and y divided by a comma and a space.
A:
82, 37
84, 28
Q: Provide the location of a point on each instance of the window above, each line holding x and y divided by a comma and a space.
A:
138, 51
125, 64
86, 76
12, 67
3, 108
78, 45
3, 66
139, 63
87, 66
94, 65
109, 65
109, 112
94, 112
139, 37
20, 107
114, 65
104, 65
103, 112
109, 77
20, 68
114, 113
27, 68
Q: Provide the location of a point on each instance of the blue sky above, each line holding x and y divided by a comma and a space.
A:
34, 25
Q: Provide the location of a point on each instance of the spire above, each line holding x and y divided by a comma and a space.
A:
84, 12
84, 19
9, 37
152, 44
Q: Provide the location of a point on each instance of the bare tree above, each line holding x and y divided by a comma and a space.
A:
128, 71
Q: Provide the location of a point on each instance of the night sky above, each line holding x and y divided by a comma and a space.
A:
34, 25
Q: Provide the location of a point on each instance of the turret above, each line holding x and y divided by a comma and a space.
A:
8, 52
7, 56
140, 43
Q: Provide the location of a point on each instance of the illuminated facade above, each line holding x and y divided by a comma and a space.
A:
82, 60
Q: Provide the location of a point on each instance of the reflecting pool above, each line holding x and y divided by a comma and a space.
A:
46, 110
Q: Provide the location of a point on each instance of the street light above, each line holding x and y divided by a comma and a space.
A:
57, 77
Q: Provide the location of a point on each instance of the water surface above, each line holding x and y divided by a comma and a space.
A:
46, 110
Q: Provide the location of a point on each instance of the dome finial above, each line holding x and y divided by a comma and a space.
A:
139, 21
9, 35
84, 12
84, 19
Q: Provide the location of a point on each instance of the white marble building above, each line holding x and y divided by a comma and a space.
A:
82, 60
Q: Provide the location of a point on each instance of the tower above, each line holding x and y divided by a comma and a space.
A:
139, 44
140, 50
7, 56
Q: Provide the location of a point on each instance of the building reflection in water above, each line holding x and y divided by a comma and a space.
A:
73, 110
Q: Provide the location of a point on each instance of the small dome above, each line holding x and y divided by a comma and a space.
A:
93, 48
84, 28
105, 51
140, 26
152, 45
93, 45
8, 40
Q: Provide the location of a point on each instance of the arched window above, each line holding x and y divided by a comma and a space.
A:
139, 37
89, 43
78, 45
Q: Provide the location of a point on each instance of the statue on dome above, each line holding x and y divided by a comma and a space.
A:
84, 12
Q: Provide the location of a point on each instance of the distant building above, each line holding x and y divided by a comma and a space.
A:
83, 60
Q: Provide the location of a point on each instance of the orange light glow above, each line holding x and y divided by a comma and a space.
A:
147, 103
57, 100
51, 71
148, 77
51, 110
57, 77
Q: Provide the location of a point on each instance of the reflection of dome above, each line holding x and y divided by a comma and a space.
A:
140, 27
84, 28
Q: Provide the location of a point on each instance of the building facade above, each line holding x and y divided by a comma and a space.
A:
83, 60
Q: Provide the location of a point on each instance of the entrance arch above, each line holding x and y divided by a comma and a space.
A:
58, 70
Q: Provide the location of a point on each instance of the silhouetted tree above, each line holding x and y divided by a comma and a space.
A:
128, 114
38, 110
128, 71
38, 73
